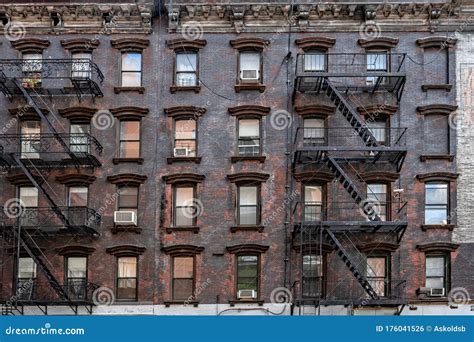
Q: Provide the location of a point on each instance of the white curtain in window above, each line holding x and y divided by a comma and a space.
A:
26, 268
76, 267
127, 267
29, 196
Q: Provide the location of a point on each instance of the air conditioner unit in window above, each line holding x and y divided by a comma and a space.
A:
181, 152
249, 75
125, 217
247, 294
436, 292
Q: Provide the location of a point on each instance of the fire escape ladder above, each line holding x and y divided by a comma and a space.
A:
351, 264
3, 85
349, 113
30, 100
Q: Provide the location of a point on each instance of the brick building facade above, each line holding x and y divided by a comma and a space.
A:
262, 158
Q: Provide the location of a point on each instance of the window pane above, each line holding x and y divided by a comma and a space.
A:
247, 272
248, 195
130, 149
248, 215
249, 61
30, 127
81, 69
29, 196
128, 197
312, 265
435, 214
435, 283
436, 193
127, 267
26, 268
435, 266
378, 129
377, 61
78, 196
313, 193
249, 128
376, 267
183, 217
131, 61
32, 62
130, 130
184, 196
185, 129
183, 267
127, 288
76, 267
131, 79
182, 289
314, 62
186, 62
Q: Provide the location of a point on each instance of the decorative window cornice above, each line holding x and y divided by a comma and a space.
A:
80, 44
309, 176
23, 180
242, 44
30, 45
185, 111
178, 250
130, 44
379, 42
374, 247
78, 113
76, 179
437, 176
24, 114
436, 42
248, 177
316, 43
184, 178
126, 250
75, 250
247, 248
317, 110
308, 248
436, 109
181, 44
374, 110
380, 176
249, 110
430, 247
123, 113
127, 179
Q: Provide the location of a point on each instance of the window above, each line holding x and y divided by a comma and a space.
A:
314, 132
30, 139
26, 278
183, 278
32, 67
29, 198
129, 139
379, 130
185, 143
186, 69
79, 139
81, 66
436, 203
247, 273
315, 61
313, 203
377, 274
76, 277
377, 195
312, 275
436, 272
250, 67
77, 196
248, 205
249, 137
127, 278
377, 61
128, 198
436, 134
131, 69
184, 206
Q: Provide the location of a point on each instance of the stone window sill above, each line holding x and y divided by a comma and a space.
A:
448, 157
118, 90
425, 227
194, 229
236, 159
446, 87
232, 302
171, 160
250, 86
126, 228
168, 303
174, 89
257, 228
127, 160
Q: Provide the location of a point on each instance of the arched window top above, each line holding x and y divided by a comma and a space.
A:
80, 44
376, 110
30, 45
78, 113
130, 44
379, 176
179, 250
184, 178
247, 248
439, 246
248, 177
126, 250
375, 247
76, 179
249, 110
436, 109
181, 44
315, 43
315, 110
127, 179
437, 177
23, 180
309, 176
122, 113
439, 42
378, 43
255, 44
75, 250
185, 111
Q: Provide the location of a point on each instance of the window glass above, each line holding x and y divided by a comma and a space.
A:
29, 196
377, 194
128, 198
314, 61
76, 267
30, 139
186, 69
249, 66
377, 61
26, 268
127, 278
377, 273
435, 272
131, 69
81, 67
378, 128
248, 205
312, 272
436, 203
130, 139
79, 139
78, 196
185, 138
247, 272
183, 278
184, 206
249, 137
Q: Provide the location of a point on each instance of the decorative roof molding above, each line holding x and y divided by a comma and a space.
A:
182, 44
75, 250
437, 247
34, 45
309, 110
383, 176
309, 176
375, 110
126, 250
76, 179
310, 43
80, 44
78, 113
127, 179
184, 178
185, 111
130, 44
386, 247
378, 42
247, 248
248, 177
178, 250
436, 109
122, 113
249, 110
250, 44
23, 180
436, 42
437, 176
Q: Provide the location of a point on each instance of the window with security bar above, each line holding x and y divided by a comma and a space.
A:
249, 67
81, 66
436, 272
26, 284
377, 274
185, 141
249, 137
313, 203
76, 280
127, 278
183, 278
315, 61
186, 69
79, 138
312, 276
436, 203
377, 61
314, 133
30, 140
32, 68
378, 198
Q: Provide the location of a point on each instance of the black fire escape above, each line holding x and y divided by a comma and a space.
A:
32, 83
344, 154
